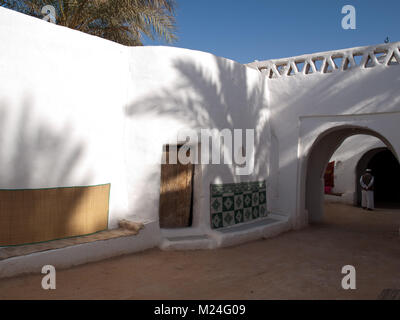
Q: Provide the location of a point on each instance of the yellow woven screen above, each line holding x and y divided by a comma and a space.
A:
35, 215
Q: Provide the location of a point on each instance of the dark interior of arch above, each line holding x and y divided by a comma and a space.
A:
386, 170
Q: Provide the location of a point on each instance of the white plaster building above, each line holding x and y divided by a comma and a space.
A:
77, 110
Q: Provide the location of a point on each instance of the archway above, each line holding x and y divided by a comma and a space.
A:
318, 157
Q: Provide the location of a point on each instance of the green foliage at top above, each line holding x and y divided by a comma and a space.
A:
122, 21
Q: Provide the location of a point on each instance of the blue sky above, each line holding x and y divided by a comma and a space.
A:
265, 29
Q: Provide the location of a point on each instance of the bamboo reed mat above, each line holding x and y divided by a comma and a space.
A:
37, 215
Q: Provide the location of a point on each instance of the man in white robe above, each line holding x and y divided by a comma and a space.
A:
367, 184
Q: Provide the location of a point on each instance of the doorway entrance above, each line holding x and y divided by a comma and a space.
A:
386, 170
318, 158
176, 191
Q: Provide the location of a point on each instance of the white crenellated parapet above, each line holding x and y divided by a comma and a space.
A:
331, 61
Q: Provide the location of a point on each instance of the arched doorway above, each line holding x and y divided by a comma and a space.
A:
318, 157
386, 170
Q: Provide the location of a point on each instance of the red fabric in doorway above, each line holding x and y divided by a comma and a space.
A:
329, 177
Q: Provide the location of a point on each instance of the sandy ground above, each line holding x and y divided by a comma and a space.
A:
304, 264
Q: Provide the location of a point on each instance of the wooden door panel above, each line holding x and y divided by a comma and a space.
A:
175, 194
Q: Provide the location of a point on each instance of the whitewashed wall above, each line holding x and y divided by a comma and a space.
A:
305, 107
79, 110
173, 90
62, 97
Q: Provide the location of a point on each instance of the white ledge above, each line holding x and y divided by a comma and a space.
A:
331, 61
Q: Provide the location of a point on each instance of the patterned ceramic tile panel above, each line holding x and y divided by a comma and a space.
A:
237, 203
